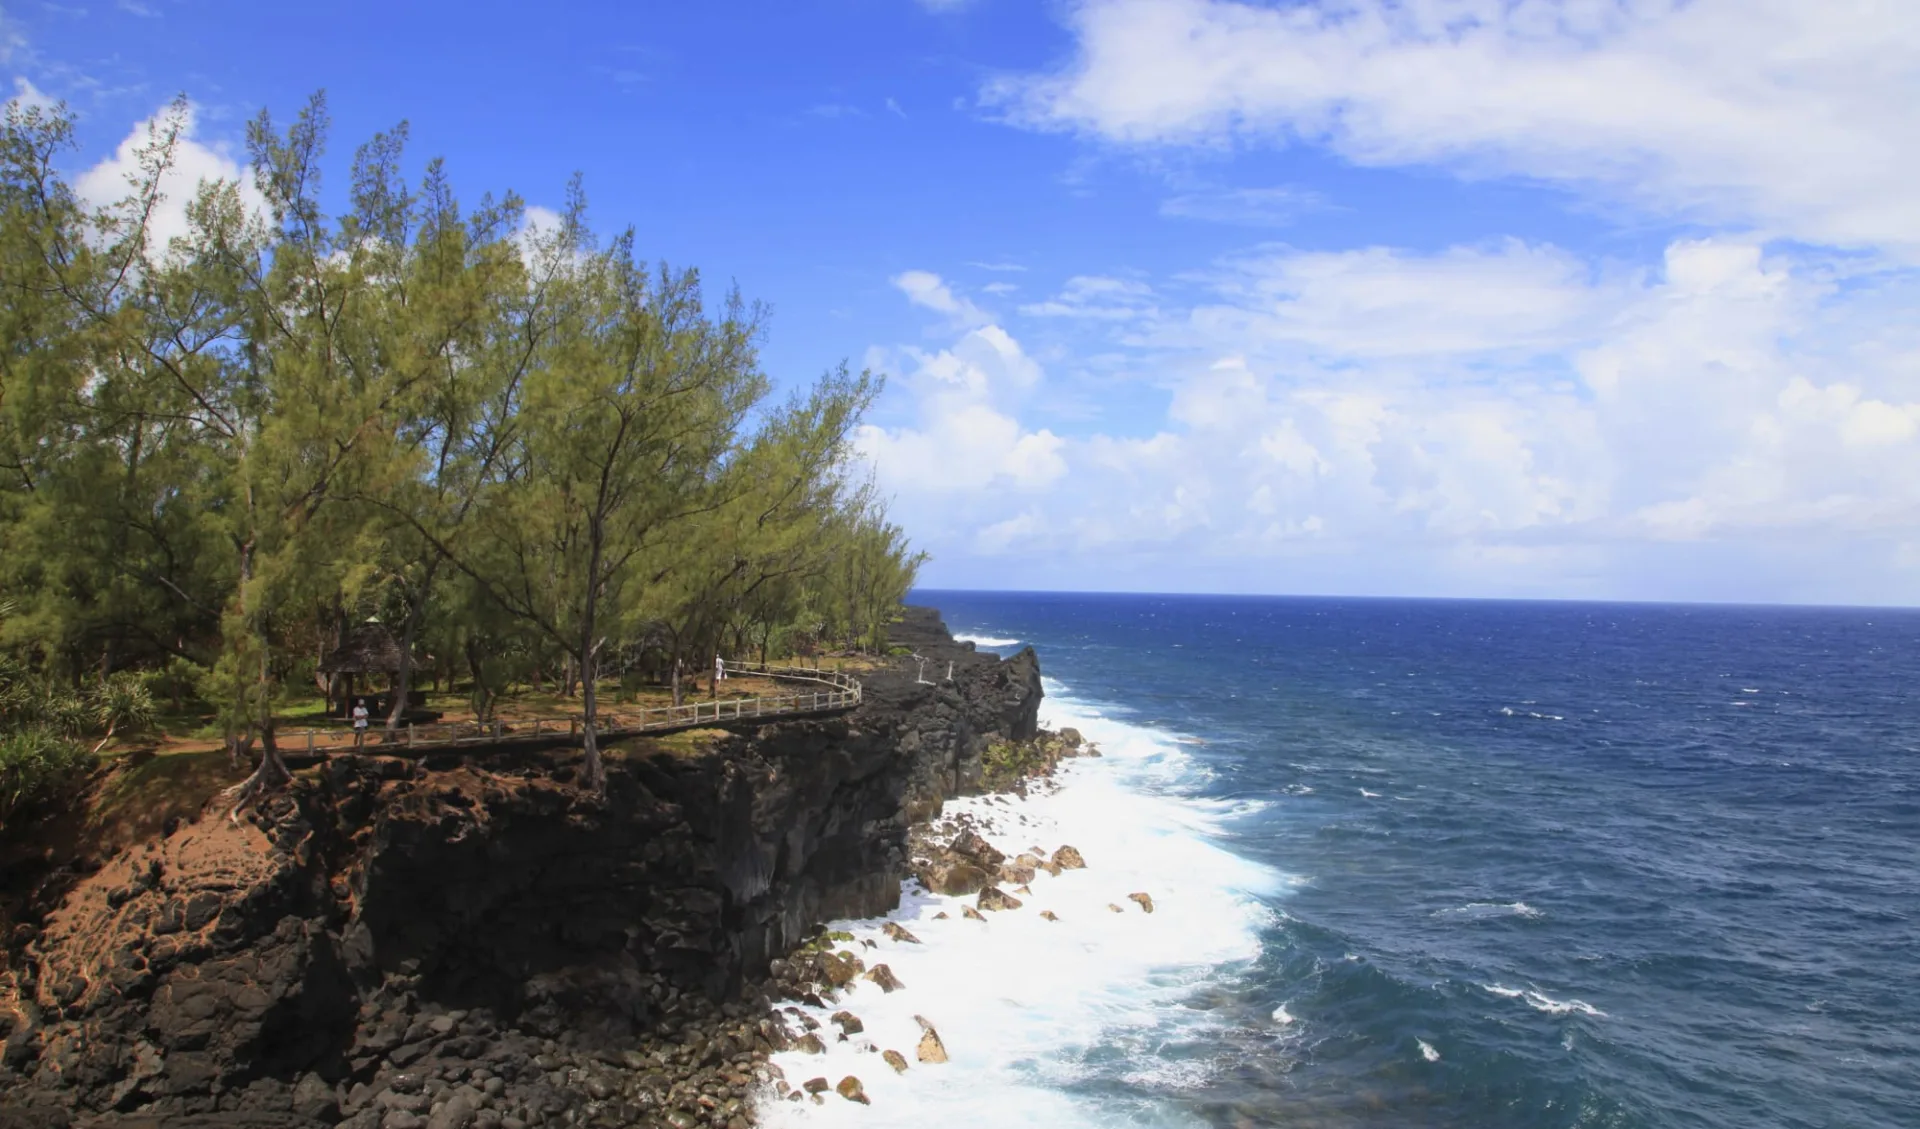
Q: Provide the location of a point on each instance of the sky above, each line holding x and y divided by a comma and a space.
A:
1586, 299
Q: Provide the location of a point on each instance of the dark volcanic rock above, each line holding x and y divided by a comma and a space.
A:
475, 941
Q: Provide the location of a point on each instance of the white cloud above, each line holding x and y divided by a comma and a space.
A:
1098, 297
1793, 115
112, 180
1480, 420
1252, 207
930, 291
965, 439
1382, 302
27, 96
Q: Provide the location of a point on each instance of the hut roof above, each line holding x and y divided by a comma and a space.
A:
367, 648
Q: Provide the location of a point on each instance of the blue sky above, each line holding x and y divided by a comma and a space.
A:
1558, 298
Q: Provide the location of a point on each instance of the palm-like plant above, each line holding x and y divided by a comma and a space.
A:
122, 702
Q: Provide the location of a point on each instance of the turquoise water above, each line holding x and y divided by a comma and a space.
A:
1527, 864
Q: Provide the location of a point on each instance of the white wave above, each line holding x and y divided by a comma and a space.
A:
1509, 712
1369, 795
1541, 1002
986, 640
1018, 999
1427, 1052
1749, 690
1490, 909
1282, 1016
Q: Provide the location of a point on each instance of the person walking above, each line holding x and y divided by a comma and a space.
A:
359, 722
719, 669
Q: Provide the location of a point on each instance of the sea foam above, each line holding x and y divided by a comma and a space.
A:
986, 641
1019, 1001
1542, 1002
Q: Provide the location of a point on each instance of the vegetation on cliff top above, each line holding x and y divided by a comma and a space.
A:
519, 446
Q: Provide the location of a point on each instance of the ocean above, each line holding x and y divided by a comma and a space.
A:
1430, 863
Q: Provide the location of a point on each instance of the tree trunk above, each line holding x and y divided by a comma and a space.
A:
403, 681
480, 695
590, 741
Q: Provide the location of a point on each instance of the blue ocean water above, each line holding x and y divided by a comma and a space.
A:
1551, 864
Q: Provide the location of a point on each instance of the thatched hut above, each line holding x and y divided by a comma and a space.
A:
366, 651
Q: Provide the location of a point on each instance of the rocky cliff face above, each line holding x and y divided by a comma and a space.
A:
473, 918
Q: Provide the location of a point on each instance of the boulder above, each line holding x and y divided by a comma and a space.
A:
1115, 908
839, 969
1145, 901
1068, 858
971, 846
1049, 915
899, 934
970, 912
958, 877
1070, 737
810, 1043
896, 1060
1023, 888
941, 916
931, 1049
882, 975
1029, 859
850, 1089
456, 1114
849, 1022
816, 1085
1014, 875
994, 898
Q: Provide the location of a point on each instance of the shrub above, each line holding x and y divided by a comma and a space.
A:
38, 767
122, 704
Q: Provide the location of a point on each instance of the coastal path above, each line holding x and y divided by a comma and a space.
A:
816, 693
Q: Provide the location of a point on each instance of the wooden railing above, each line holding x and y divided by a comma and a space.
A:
829, 692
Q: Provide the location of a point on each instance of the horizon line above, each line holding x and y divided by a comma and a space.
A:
1604, 601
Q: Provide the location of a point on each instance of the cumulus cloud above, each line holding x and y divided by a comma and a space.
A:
1380, 301
930, 291
1792, 115
964, 439
27, 96
1509, 415
112, 181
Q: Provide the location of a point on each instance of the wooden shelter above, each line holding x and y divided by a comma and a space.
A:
365, 651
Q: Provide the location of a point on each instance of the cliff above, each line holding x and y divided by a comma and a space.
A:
476, 942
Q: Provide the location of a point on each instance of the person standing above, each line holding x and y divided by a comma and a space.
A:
719, 669
359, 722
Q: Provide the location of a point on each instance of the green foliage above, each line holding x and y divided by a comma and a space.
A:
826, 941
522, 447
38, 768
123, 704
1003, 763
